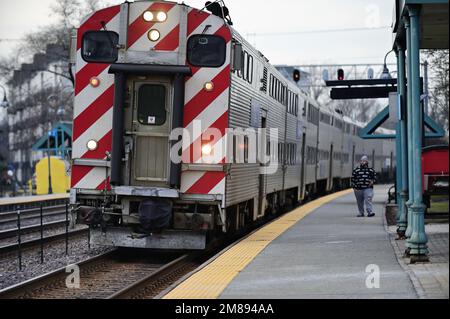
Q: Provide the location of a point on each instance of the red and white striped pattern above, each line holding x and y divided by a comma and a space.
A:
93, 106
169, 29
209, 108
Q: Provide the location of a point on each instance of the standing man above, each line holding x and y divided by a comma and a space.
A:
363, 179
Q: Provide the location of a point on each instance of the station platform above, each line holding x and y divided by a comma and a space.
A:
320, 250
31, 199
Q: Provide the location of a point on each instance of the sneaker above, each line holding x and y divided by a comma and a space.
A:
360, 215
370, 214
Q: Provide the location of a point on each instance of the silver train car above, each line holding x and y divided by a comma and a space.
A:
319, 148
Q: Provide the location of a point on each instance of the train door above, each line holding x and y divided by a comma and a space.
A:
316, 159
330, 171
262, 177
302, 172
352, 161
151, 125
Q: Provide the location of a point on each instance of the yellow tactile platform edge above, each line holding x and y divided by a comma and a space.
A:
210, 281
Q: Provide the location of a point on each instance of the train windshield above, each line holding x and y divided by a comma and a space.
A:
152, 104
100, 46
206, 50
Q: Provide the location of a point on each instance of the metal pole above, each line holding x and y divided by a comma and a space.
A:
398, 146
398, 177
67, 229
42, 233
19, 240
50, 190
402, 220
418, 240
56, 142
425, 83
409, 134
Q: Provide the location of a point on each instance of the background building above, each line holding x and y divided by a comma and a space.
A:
40, 95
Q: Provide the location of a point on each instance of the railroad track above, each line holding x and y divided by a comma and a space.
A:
153, 284
32, 243
31, 213
116, 274
13, 232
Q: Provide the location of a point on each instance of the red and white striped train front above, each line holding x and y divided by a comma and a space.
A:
145, 71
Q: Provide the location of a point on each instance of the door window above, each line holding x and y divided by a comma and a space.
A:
152, 105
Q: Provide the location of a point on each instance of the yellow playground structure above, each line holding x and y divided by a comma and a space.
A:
58, 141
59, 176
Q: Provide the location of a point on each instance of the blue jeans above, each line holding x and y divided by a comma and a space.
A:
364, 197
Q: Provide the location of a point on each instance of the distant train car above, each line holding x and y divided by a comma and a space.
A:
154, 75
435, 178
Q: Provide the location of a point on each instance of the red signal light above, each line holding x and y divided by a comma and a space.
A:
340, 75
296, 75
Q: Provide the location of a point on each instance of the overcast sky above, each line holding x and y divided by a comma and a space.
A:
265, 25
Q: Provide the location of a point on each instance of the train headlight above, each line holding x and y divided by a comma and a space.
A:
92, 145
206, 149
154, 35
148, 16
94, 82
161, 16
209, 86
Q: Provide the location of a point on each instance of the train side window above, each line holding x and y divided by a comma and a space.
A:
264, 80
277, 89
250, 69
245, 73
152, 105
305, 108
206, 50
235, 150
270, 85
246, 149
313, 115
292, 154
100, 46
296, 104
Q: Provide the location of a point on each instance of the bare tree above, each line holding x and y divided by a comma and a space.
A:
439, 86
69, 14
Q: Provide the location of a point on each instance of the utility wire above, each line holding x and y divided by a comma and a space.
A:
317, 31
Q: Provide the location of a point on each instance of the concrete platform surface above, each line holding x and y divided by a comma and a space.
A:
330, 253
430, 279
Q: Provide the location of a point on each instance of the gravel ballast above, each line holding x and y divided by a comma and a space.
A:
54, 258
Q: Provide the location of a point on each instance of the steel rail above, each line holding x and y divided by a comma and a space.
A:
34, 242
8, 233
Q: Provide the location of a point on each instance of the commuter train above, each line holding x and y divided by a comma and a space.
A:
184, 132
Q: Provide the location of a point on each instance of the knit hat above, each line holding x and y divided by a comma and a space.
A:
364, 159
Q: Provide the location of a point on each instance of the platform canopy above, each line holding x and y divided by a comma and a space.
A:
433, 23
57, 140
